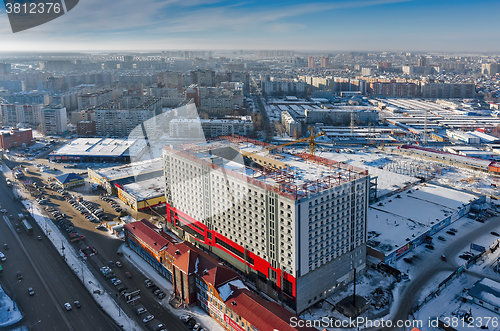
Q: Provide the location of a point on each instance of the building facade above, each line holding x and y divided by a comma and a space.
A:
15, 138
295, 243
54, 120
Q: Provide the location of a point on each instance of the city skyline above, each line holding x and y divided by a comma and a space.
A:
378, 25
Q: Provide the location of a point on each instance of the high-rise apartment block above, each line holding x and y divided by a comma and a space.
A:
310, 62
324, 62
294, 224
490, 69
54, 120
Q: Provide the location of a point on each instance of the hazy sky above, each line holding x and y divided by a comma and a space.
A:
378, 25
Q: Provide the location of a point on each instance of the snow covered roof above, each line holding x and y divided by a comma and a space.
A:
486, 290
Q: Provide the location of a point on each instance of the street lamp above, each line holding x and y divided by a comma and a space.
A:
29, 328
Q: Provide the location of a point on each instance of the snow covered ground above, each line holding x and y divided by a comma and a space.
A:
148, 271
75, 261
9, 313
448, 307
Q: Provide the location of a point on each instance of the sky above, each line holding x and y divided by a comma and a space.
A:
338, 25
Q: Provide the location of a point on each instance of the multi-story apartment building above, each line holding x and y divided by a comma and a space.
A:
490, 69
90, 100
199, 128
120, 117
283, 88
170, 79
447, 90
292, 127
203, 77
294, 224
54, 120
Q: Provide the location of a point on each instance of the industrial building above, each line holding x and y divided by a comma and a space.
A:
398, 224
98, 150
294, 224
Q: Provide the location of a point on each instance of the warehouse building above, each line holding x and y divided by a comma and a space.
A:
98, 150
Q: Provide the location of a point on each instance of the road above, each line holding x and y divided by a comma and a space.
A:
44, 270
107, 248
433, 265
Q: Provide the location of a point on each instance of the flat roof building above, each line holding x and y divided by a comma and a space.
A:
98, 150
294, 223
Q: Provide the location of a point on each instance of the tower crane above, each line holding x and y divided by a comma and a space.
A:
310, 139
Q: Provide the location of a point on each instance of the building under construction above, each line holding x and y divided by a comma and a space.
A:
294, 224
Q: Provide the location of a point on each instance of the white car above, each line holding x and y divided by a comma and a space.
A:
148, 318
2, 257
67, 306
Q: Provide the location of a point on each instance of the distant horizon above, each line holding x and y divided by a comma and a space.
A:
420, 26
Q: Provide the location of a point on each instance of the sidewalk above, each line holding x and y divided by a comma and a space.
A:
148, 271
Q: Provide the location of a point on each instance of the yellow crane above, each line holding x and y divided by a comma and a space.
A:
311, 138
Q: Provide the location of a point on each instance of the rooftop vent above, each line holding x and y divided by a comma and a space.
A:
177, 252
205, 272
233, 303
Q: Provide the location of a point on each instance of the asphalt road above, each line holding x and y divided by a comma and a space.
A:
44, 270
107, 248
433, 264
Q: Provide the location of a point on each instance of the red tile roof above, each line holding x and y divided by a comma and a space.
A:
264, 315
149, 236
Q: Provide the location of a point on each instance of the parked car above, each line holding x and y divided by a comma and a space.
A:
407, 260
141, 310
185, 318
161, 295
197, 327
2, 257
441, 238
148, 318
67, 306
495, 233
450, 232
429, 247
118, 264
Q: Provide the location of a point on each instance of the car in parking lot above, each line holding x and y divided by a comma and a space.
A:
159, 327
441, 238
429, 247
191, 323
156, 292
407, 260
185, 318
495, 233
197, 327
148, 318
148, 283
141, 310
67, 306
450, 232
161, 295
